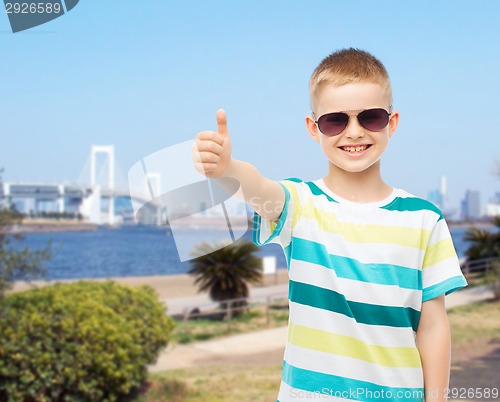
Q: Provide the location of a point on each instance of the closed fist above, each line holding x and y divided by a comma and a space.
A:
212, 149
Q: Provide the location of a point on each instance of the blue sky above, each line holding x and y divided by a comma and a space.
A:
146, 75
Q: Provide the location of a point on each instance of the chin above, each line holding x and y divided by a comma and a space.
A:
355, 169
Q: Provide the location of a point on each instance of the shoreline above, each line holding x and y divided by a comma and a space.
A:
167, 286
50, 226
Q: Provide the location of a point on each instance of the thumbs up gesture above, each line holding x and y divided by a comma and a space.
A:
212, 149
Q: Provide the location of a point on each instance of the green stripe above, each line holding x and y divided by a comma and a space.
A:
348, 388
296, 180
313, 187
371, 314
317, 191
412, 204
350, 268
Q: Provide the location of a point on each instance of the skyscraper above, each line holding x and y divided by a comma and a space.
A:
439, 197
471, 205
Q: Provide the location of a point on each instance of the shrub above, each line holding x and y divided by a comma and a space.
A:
85, 341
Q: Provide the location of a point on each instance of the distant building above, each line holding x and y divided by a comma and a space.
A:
439, 197
471, 205
495, 199
493, 207
492, 210
3, 200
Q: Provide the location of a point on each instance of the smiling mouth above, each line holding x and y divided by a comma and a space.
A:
358, 148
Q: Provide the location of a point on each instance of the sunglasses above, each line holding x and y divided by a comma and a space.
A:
371, 119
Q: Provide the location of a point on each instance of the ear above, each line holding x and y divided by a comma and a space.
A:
393, 123
312, 127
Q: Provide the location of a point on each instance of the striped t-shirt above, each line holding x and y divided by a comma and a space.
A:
359, 273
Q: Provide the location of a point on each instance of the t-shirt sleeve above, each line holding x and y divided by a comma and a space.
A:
280, 232
441, 272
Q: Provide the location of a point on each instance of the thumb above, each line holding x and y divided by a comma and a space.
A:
222, 122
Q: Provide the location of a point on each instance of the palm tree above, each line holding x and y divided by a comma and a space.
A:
486, 244
483, 243
226, 271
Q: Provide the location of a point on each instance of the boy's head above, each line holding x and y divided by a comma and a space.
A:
348, 66
352, 117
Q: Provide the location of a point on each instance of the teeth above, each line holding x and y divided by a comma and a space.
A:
355, 149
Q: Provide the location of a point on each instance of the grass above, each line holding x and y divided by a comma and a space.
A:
220, 383
260, 383
478, 322
253, 320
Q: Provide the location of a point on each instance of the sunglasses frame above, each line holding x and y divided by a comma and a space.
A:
389, 113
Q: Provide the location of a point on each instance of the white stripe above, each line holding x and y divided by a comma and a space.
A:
375, 253
354, 290
336, 323
376, 216
349, 367
441, 271
440, 232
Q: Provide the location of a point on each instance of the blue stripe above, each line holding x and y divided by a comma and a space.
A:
412, 204
349, 268
371, 314
287, 251
347, 388
257, 222
446, 287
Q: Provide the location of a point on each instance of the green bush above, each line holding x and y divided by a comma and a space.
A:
85, 341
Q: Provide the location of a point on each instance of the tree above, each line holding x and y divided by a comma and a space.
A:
17, 262
225, 272
483, 243
486, 244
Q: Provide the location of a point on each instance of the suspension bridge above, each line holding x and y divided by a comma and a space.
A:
98, 200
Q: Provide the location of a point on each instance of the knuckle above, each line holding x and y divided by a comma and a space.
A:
212, 147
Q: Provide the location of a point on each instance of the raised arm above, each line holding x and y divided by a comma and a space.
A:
212, 157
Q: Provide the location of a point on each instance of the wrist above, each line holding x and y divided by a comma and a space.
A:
230, 168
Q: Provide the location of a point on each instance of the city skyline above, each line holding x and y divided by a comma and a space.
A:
482, 206
145, 78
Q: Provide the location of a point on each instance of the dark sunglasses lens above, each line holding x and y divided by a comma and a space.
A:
333, 123
373, 119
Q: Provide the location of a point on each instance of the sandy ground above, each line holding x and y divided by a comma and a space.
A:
170, 286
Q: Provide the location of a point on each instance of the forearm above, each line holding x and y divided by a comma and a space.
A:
264, 195
434, 347
212, 157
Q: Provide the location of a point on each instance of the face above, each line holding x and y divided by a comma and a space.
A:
355, 149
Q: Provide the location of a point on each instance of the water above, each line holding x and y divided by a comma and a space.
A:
135, 251
126, 251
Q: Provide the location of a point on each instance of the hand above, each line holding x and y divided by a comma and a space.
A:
212, 150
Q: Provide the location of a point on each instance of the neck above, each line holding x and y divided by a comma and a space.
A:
365, 186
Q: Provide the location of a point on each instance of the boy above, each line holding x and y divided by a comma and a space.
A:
369, 265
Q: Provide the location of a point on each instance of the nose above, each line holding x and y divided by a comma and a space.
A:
354, 129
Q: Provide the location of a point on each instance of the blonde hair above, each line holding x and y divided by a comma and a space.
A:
349, 65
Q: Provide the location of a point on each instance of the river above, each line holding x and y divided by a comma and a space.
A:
135, 251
